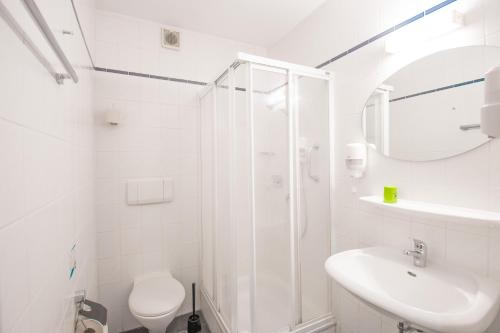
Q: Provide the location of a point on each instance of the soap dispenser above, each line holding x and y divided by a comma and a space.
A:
355, 159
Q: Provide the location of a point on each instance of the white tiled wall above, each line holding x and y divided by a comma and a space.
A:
158, 136
47, 180
470, 180
135, 45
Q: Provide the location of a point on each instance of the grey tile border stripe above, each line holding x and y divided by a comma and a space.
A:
149, 76
451, 86
387, 32
438, 6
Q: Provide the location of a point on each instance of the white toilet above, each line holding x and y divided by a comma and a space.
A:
155, 300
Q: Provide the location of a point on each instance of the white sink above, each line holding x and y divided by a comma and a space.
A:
435, 297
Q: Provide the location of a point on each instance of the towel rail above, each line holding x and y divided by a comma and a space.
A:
470, 127
51, 39
23, 36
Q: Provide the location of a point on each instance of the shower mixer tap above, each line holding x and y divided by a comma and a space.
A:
309, 166
305, 153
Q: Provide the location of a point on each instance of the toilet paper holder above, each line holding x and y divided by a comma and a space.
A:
87, 309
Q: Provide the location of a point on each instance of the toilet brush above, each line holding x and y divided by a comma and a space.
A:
194, 324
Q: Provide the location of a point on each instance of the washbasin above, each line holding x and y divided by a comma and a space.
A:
436, 297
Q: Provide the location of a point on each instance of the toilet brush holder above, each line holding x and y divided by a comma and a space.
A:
194, 323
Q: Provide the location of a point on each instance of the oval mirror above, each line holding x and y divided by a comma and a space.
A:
431, 108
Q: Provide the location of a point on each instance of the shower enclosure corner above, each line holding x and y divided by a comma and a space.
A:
266, 151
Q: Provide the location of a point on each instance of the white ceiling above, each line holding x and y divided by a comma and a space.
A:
258, 22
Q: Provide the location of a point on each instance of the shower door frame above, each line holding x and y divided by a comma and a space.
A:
293, 72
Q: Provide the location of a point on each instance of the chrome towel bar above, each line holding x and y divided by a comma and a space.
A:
49, 36
21, 34
470, 127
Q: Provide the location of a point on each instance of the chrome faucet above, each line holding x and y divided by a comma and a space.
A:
419, 253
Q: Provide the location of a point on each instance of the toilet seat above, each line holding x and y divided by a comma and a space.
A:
156, 296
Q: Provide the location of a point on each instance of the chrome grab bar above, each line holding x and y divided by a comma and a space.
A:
49, 36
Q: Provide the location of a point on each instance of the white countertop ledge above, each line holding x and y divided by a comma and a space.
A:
438, 210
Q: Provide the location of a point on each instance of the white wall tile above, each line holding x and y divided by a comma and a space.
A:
129, 216
131, 267
12, 193
23, 325
47, 174
15, 283
395, 232
153, 261
130, 241
109, 162
105, 54
369, 228
109, 191
108, 244
151, 235
109, 270
45, 253
47, 310
39, 178
468, 251
107, 219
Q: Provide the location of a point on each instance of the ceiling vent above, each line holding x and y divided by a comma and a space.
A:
170, 39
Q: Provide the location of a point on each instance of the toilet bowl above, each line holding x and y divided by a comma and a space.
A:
155, 299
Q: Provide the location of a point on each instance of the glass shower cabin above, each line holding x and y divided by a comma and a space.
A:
266, 197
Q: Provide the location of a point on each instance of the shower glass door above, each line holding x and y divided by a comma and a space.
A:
311, 110
266, 157
271, 199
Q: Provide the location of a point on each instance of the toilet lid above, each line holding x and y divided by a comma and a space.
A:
156, 296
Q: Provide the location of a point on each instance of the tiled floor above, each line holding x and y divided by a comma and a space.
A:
179, 324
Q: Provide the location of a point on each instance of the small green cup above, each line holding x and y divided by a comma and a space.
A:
390, 194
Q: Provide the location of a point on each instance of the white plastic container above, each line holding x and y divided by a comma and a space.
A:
490, 112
